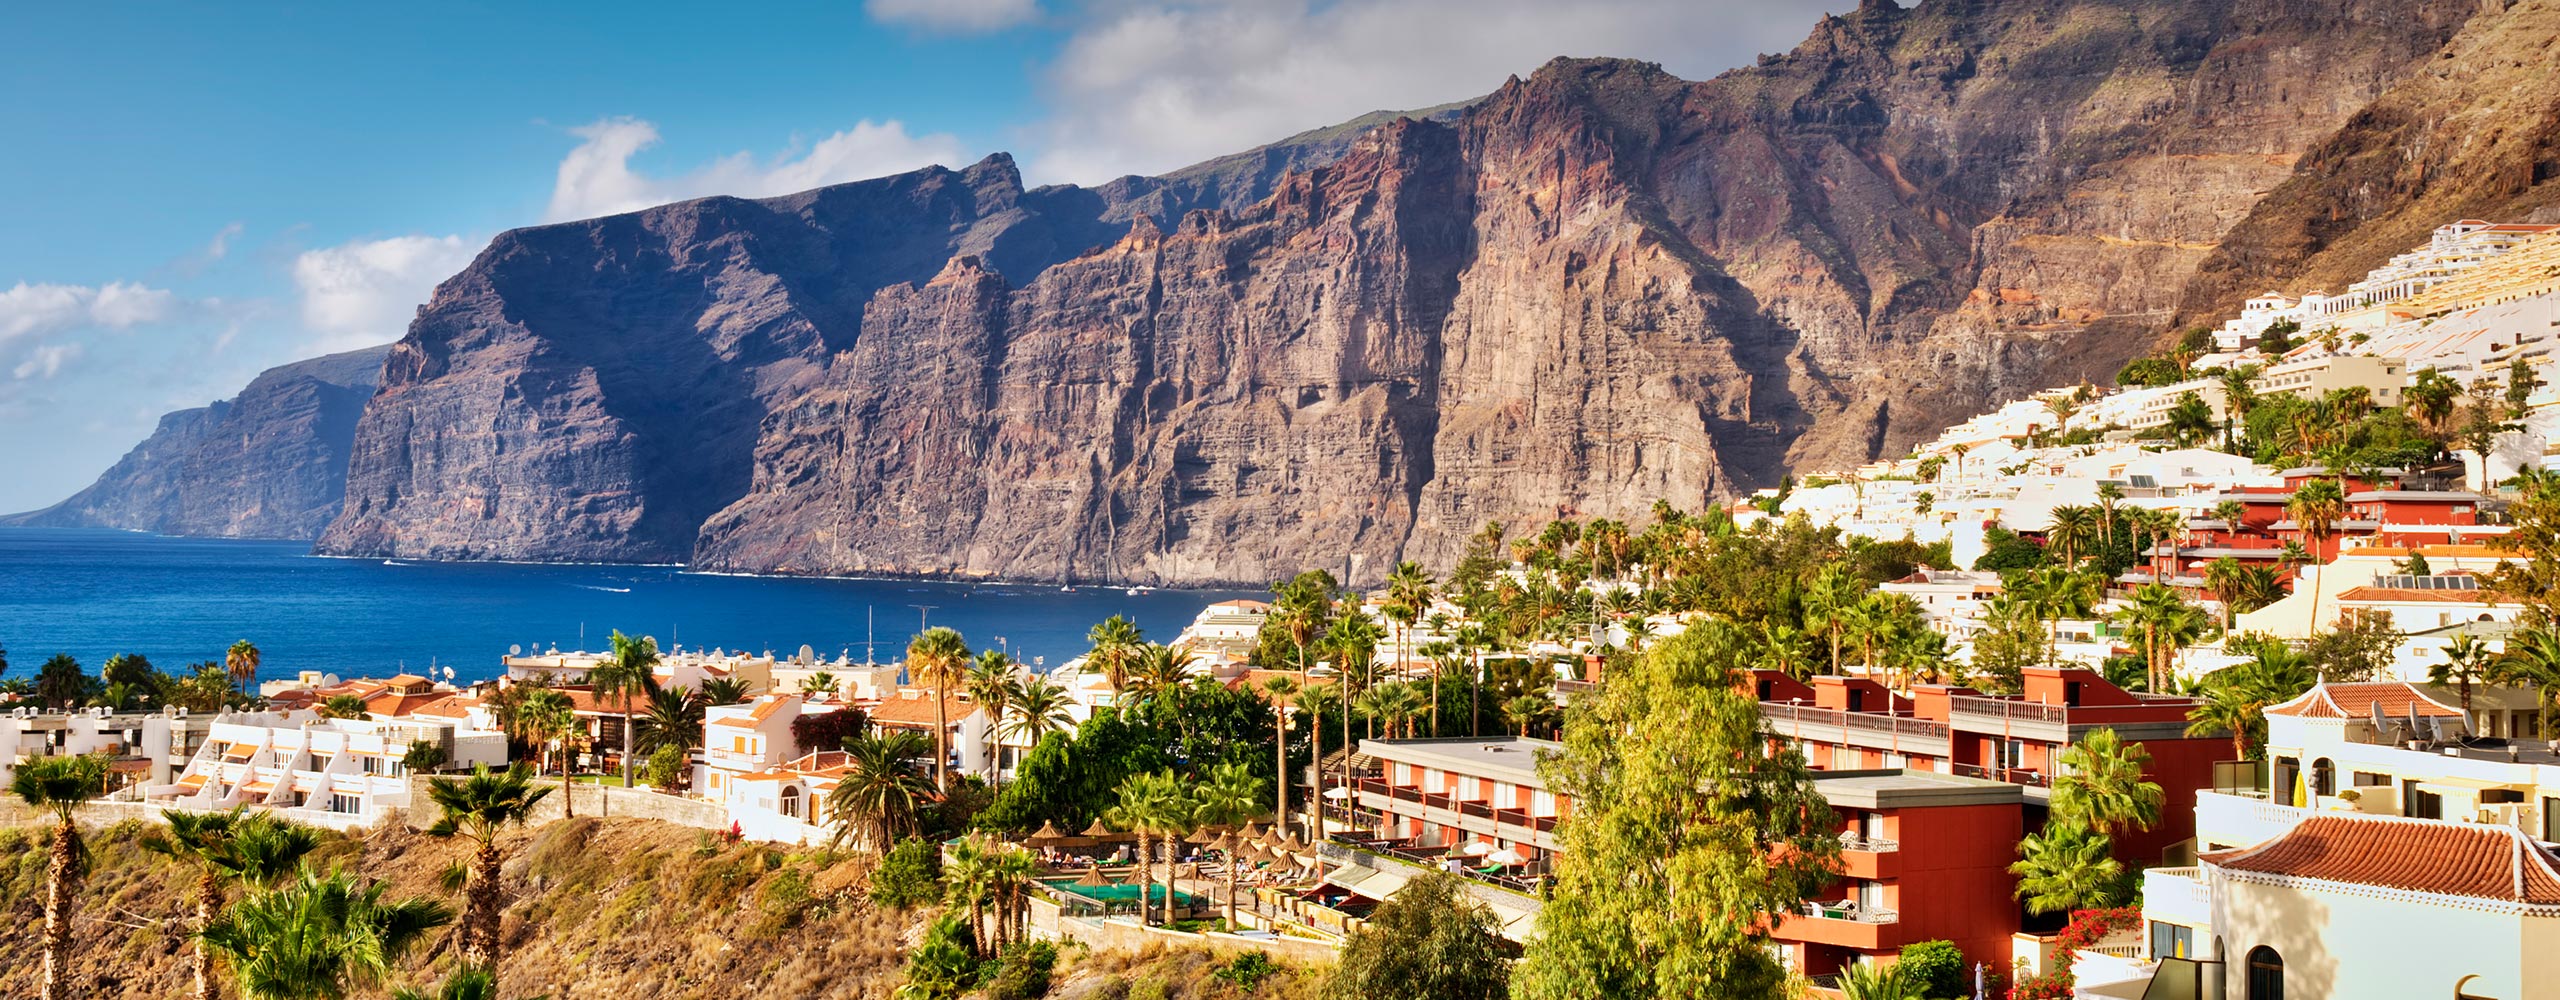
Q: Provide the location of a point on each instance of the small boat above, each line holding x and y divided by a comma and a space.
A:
1141, 591
1066, 590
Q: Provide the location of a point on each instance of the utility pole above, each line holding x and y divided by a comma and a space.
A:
923, 612
870, 634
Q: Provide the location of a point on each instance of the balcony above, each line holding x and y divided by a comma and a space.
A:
2009, 708
1871, 730
2178, 896
2012, 775
2241, 819
1843, 926
1873, 845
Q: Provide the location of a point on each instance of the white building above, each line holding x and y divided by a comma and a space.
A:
339, 773
143, 746
745, 738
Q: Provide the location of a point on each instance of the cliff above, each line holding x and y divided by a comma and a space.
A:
1593, 288
268, 463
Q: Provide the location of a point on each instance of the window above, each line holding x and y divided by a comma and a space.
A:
2427, 805
2324, 777
2266, 974
791, 802
2368, 779
2550, 820
2172, 940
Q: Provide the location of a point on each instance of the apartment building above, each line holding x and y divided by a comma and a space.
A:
338, 773
1441, 793
140, 747
745, 738
1846, 723
1924, 856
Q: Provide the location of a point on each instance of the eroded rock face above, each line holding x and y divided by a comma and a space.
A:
269, 463
1593, 288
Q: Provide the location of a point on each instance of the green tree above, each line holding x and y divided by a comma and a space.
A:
2102, 785
2532, 659
1283, 692
2430, 398
476, 808
2467, 662
1116, 643
2316, 509
1936, 969
2191, 419
1146, 805
1067, 778
2533, 535
939, 657
2166, 622
1687, 824
881, 793
1432, 940
61, 684
991, 684
2067, 867
2234, 700
718, 691
320, 936
464, 983
233, 846
57, 786
1230, 797
672, 718
2520, 386
2005, 550
552, 718
240, 663
909, 875
626, 676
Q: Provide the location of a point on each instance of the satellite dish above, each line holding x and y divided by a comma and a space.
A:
515, 650
808, 655
448, 673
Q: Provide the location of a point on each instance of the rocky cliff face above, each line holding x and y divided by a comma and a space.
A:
1593, 288
269, 463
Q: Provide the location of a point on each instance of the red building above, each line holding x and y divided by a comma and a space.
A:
1924, 856
1850, 724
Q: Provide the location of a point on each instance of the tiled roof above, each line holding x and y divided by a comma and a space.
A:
763, 710
451, 706
2476, 860
2356, 701
2404, 595
918, 711
392, 704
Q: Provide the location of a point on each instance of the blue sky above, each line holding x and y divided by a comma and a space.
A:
195, 193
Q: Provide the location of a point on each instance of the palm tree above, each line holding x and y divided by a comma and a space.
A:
58, 785
207, 842
1229, 798
2430, 398
1524, 710
1157, 672
469, 982
1116, 641
879, 791
338, 706
1354, 639
723, 691
241, 664
2066, 868
2055, 593
821, 682
938, 657
476, 808
2315, 509
1011, 880
2467, 661
1146, 805
2167, 622
991, 685
673, 718
966, 876
2100, 785
2532, 659
1829, 604
318, 936
1472, 639
1869, 981
1283, 693
552, 718
629, 673
1408, 597
1039, 708
2071, 531
2234, 699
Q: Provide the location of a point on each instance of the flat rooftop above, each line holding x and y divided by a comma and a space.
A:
1503, 758
1910, 789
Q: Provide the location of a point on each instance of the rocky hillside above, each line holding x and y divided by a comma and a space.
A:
268, 463
1594, 287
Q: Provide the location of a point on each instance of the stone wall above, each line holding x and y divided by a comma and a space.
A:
1120, 934
606, 801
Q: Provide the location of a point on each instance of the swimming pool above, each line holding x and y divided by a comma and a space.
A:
1118, 893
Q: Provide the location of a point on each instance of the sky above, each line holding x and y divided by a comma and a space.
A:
193, 193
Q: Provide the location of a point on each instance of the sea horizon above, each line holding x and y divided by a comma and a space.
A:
95, 592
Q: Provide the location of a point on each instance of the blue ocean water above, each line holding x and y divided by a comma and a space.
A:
181, 600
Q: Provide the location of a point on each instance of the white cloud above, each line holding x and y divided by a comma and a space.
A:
221, 245
1144, 87
364, 293
34, 309
46, 361
596, 178
954, 15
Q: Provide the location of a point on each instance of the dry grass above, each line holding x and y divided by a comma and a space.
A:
620, 909
1160, 973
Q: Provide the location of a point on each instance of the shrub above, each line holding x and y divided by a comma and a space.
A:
910, 876
941, 968
1430, 939
1248, 970
666, 768
2089, 927
1022, 972
1936, 967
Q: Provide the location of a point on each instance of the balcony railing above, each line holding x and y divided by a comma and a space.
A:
2012, 775
1877, 845
2009, 708
1853, 914
1870, 721
1467, 807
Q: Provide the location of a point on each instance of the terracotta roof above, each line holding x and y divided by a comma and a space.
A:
918, 711
393, 704
2356, 701
763, 710
2403, 595
2477, 860
451, 706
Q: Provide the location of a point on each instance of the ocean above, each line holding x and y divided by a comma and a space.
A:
181, 600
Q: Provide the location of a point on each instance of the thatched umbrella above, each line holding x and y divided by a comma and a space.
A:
1093, 876
1225, 845
1254, 830
1047, 836
1099, 831
1200, 836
